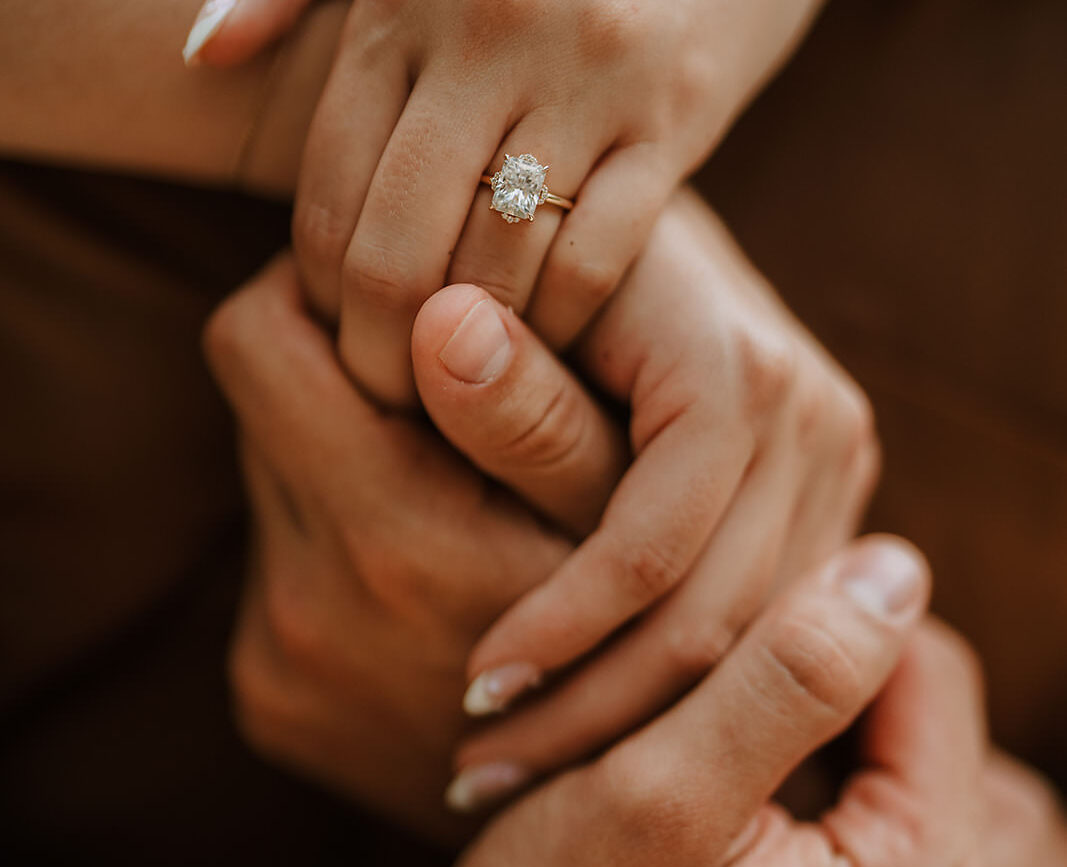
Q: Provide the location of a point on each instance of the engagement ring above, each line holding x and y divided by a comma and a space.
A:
519, 188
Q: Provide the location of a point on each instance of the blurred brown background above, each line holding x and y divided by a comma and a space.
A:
903, 185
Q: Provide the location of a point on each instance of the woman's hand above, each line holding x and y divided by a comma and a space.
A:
620, 99
692, 787
755, 456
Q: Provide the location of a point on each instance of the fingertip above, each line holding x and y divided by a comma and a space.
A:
887, 576
229, 32
442, 312
209, 23
460, 332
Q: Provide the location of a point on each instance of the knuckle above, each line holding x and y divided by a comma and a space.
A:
694, 652
814, 668
646, 800
697, 647
768, 373
235, 332
547, 435
647, 570
225, 335
859, 428
591, 280
292, 621
398, 578
810, 414
321, 235
483, 21
378, 277
493, 274
609, 30
260, 711
905, 839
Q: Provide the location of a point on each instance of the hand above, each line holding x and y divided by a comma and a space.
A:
683, 790
692, 787
378, 555
755, 455
622, 100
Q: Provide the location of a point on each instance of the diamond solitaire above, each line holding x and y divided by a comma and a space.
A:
519, 188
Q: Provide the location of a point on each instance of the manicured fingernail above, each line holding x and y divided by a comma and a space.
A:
207, 24
480, 785
479, 349
884, 579
492, 691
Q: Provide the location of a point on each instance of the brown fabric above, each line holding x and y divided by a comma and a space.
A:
902, 185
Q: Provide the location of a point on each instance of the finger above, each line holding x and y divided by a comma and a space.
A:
690, 781
375, 476
229, 32
612, 220
415, 209
837, 429
505, 258
350, 129
1026, 817
508, 404
658, 520
801, 675
778, 841
926, 738
278, 371
664, 654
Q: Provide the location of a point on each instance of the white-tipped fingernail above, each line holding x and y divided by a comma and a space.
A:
207, 24
492, 691
480, 785
884, 579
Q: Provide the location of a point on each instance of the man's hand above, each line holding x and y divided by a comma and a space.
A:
379, 555
682, 790
692, 787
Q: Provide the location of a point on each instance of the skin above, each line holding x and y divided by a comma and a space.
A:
191, 126
788, 381
389, 207
757, 450
691, 787
750, 489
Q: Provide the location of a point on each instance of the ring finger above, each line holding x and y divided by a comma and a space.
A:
505, 258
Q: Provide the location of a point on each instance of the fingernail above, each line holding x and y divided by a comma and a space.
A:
479, 349
492, 691
207, 24
884, 579
479, 785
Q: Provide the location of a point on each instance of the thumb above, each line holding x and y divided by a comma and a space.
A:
500, 397
229, 32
